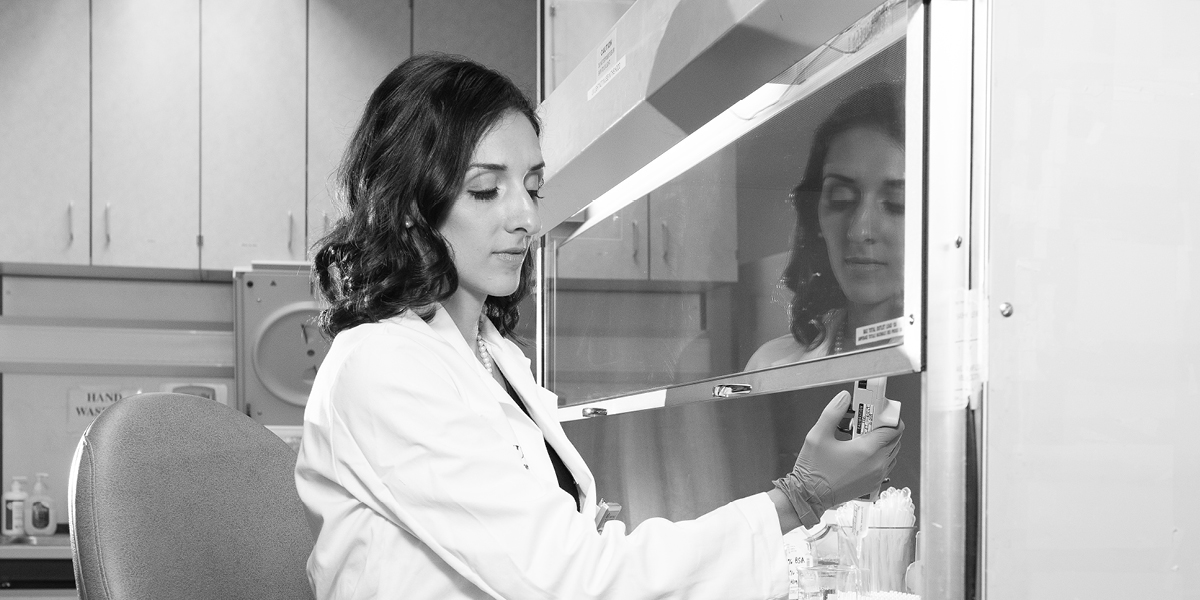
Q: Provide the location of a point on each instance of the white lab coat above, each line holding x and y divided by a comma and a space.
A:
416, 488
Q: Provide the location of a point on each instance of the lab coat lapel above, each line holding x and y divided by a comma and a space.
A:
444, 327
515, 367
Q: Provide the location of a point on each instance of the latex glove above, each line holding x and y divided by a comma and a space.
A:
830, 471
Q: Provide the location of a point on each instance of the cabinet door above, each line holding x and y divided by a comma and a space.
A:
146, 133
693, 223
501, 34
44, 162
252, 137
352, 46
614, 248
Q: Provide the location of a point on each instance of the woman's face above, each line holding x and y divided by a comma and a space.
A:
494, 218
861, 214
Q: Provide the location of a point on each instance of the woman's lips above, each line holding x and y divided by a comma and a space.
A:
864, 264
511, 254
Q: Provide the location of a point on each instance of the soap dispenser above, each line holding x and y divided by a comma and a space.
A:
14, 508
39, 509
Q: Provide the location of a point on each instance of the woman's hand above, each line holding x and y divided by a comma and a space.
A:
829, 471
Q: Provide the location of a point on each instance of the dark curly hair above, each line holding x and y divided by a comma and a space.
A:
401, 172
808, 273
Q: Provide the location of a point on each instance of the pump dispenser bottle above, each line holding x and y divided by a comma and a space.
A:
39, 509
14, 508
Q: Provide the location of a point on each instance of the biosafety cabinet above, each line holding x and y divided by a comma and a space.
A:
992, 207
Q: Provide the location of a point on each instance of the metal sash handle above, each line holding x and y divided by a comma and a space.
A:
291, 231
731, 389
107, 224
70, 223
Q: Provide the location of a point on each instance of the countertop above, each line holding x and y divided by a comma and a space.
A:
36, 547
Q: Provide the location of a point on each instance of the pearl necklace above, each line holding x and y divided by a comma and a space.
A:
485, 357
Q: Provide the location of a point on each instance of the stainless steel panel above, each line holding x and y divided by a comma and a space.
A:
679, 462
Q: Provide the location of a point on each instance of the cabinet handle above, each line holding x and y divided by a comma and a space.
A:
291, 231
666, 243
70, 223
107, 224
636, 242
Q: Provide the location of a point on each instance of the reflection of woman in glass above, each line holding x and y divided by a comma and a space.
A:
847, 265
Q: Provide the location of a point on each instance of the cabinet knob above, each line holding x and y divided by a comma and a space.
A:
70, 223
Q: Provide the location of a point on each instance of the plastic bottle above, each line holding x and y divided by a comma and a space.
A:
14, 508
39, 509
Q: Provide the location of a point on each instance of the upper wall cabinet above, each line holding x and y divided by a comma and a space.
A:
44, 131
352, 46
252, 142
146, 133
204, 134
501, 34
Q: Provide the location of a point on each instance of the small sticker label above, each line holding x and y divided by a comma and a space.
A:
606, 67
879, 331
865, 418
604, 58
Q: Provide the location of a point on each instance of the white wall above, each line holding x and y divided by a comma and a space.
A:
1093, 466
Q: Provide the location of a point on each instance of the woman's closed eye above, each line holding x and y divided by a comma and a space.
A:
488, 194
838, 195
894, 198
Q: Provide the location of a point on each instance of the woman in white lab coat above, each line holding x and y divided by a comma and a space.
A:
432, 465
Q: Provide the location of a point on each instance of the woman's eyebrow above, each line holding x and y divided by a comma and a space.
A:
500, 167
489, 166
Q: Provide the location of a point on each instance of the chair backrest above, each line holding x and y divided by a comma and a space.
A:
180, 497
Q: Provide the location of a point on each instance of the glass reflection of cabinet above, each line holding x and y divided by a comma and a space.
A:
680, 274
615, 248
684, 231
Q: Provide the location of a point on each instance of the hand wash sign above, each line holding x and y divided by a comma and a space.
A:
85, 403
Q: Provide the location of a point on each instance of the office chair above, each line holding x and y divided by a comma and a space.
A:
180, 497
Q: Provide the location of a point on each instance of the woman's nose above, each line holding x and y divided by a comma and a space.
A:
525, 215
864, 223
